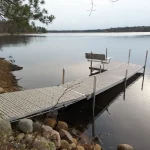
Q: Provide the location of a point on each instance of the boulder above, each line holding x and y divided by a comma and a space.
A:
5, 127
1, 90
20, 137
45, 128
124, 147
50, 122
72, 146
74, 141
64, 144
66, 135
55, 138
37, 126
97, 147
79, 148
26, 125
62, 125
46, 131
43, 144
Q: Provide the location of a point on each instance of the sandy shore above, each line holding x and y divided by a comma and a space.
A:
7, 80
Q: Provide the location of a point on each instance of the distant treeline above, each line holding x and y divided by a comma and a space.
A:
9, 27
119, 29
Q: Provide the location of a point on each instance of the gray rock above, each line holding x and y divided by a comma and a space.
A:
1, 90
43, 144
66, 135
5, 127
55, 137
37, 126
124, 147
26, 125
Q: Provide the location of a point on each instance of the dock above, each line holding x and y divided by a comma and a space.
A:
29, 103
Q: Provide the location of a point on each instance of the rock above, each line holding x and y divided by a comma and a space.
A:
29, 138
47, 135
72, 146
46, 128
43, 144
124, 147
26, 125
88, 147
74, 141
37, 126
46, 131
50, 122
97, 147
20, 137
11, 138
66, 135
64, 144
55, 138
1, 90
62, 125
79, 148
5, 127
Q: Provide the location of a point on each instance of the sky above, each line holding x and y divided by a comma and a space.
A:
74, 14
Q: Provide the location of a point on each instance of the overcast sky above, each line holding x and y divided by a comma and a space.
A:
73, 14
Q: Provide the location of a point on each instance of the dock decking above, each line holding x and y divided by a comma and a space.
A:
16, 105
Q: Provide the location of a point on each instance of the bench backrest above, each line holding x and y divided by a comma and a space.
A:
94, 56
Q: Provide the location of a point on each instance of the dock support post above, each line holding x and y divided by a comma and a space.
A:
94, 90
144, 69
129, 56
63, 76
91, 64
106, 53
125, 84
100, 69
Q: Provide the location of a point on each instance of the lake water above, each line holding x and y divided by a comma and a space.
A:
44, 56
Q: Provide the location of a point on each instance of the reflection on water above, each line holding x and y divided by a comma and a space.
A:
116, 121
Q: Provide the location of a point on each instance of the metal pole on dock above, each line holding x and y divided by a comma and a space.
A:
94, 90
106, 53
91, 64
125, 84
144, 69
63, 76
129, 56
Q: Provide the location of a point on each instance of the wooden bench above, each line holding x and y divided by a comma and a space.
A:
102, 58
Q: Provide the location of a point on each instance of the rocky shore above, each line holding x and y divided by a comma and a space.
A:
48, 135
8, 82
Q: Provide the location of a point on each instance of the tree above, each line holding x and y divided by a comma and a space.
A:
19, 12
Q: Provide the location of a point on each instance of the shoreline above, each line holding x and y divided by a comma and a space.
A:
8, 82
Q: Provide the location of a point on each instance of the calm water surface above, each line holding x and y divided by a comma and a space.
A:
43, 58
